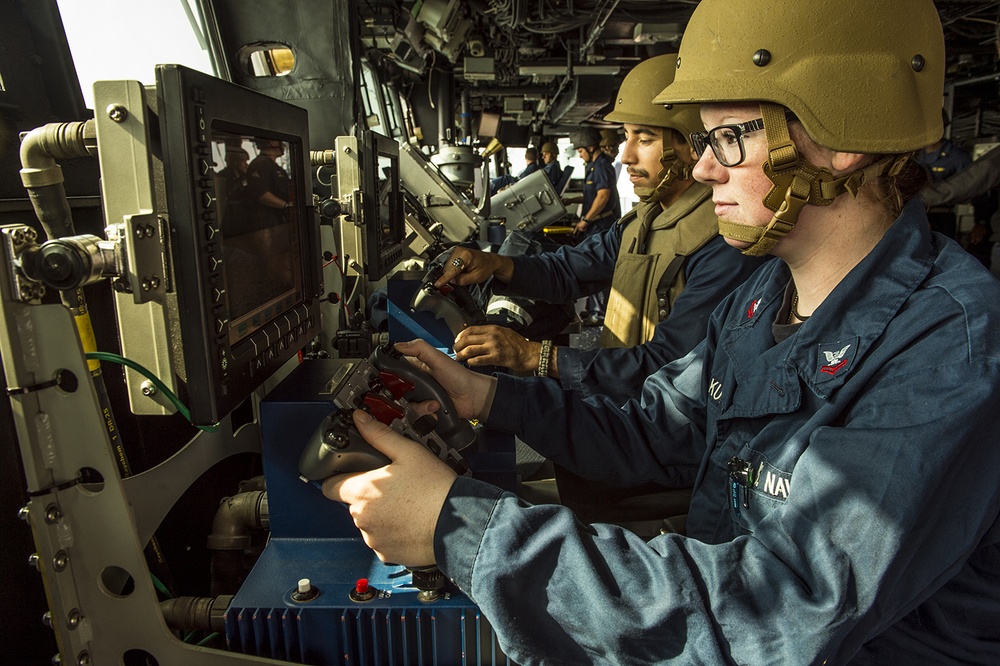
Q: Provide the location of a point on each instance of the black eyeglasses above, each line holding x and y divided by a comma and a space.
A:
726, 141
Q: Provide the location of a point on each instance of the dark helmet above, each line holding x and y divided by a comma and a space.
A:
585, 137
263, 144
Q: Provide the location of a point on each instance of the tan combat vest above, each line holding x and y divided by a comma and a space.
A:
656, 243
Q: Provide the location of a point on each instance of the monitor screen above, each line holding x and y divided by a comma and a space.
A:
261, 243
489, 125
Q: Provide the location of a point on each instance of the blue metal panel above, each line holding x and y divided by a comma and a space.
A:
314, 538
405, 325
289, 416
393, 628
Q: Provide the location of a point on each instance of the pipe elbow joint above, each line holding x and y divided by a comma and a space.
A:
234, 519
43, 145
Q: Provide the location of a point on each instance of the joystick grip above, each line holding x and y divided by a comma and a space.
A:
336, 447
457, 432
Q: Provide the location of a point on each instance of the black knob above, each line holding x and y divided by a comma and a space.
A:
330, 208
335, 438
427, 578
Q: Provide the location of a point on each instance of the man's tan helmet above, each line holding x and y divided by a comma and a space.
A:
634, 103
861, 76
549, 147
610, 137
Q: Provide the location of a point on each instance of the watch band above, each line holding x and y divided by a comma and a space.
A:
543, 359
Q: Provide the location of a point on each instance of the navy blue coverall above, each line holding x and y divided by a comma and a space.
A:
599, 174
553, 171
572, 272
861, 527
528, 170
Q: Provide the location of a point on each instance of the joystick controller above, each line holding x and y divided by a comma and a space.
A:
338, 448
452, 303
383, 385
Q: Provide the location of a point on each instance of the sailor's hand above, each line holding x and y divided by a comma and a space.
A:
466, 266
471, 392
497, 345
396, 507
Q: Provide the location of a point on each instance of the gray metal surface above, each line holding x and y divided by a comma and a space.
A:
90, 554
441, 201
349, 192
130, 202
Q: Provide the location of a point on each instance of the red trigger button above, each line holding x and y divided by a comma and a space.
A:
383, 409
396, 385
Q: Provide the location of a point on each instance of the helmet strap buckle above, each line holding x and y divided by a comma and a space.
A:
781, 152
673, 169
793, 204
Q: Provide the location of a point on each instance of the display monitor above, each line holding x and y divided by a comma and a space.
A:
384, 221
244, 245
489, 125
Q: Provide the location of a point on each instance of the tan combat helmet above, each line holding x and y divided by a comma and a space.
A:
610, 137
634, 105
869, 79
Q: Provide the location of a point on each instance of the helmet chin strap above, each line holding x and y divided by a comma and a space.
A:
673, 168
797, 183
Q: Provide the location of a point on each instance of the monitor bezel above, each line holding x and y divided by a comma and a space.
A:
381, 254
219, 375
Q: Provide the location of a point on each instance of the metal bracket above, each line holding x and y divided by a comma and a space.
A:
134, 214
349, 190
145, 268
16, 238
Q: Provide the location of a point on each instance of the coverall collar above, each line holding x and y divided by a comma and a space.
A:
826, 349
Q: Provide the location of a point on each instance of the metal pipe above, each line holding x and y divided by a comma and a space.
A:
43, 177
230, 538
446, 106
43, 145
466, 118
537, 90
975, 79
255, 483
